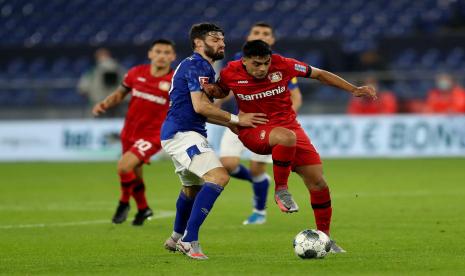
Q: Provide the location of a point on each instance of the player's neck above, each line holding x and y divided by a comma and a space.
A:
159, 71
209, 59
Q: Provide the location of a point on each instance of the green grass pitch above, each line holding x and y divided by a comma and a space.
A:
392, 216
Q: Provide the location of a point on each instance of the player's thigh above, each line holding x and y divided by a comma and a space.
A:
128, 162
230, 163
282, 136
139, 171
230, 145
258, 165
256, 139
191, 152
305, 153
145, 148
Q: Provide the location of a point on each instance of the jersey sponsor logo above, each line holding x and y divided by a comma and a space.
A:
164, 85
149, 97
203, 80
141, 79
275, 76
262, 134
268, 93
300, 68
243, 82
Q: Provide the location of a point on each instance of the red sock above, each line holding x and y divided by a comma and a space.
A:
138, 192
127, 183
321, 204
282, 160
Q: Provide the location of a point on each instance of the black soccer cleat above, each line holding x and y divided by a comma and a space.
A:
141, 216
121, 213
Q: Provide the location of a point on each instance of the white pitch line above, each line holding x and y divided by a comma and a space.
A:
159, 215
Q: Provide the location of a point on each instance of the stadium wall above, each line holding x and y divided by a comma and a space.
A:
335, 136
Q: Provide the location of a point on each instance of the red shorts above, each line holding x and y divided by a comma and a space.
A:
143, 148
257, 140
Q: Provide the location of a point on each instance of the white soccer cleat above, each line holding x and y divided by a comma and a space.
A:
191, 249
170, 244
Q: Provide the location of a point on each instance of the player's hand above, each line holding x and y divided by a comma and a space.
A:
252, 119
99, 108
365, 91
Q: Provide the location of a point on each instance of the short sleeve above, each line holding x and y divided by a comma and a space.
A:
298, 68
195, 77
222, 80
293, 84
128, 80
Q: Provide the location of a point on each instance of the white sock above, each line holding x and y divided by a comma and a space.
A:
176, 236
260, 178
260, 212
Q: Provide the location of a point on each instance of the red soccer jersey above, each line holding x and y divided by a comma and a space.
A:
269, 95
149, 102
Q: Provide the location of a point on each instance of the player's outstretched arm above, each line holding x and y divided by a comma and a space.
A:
111, 100
334, 80
203, 106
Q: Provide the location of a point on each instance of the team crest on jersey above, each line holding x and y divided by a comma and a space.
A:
164, 85
275, 76
141, 79
300, 68
203, 80
262, 134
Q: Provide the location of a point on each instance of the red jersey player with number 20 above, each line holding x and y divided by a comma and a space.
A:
149, 86
259, 83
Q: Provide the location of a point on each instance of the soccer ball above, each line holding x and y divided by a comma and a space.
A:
311, 244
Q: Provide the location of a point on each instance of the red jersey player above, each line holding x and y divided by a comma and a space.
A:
259, 83
149, 85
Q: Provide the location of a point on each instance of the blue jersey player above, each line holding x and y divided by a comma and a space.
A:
183, 136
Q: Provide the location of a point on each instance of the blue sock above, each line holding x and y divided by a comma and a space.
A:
202, 205
260, 190
183, 211
242, 172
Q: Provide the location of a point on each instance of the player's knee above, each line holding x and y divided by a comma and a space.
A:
218, 176
124, 168
283, 136
257, 168
317, 182
222, 179
229, 164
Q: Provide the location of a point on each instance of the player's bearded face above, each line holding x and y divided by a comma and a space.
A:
214, 46
257, 66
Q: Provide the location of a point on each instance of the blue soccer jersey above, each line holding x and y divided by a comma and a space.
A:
189, 76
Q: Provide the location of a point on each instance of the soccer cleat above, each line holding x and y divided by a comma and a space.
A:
191, 249
141, 216
170, 244
121, 213
335, 249
285, 201
255, 218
